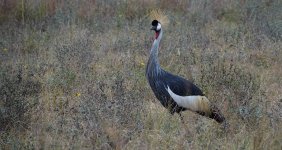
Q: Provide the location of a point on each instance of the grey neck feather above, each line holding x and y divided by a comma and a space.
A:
153, 65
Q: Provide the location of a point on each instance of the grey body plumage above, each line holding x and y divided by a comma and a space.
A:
159, 81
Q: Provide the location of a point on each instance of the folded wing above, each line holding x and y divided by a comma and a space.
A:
199, 104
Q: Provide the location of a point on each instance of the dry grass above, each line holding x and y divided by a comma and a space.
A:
72, 74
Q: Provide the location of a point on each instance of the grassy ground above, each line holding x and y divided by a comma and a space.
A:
72, 74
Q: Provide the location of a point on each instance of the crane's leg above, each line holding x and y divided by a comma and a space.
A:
225, 126
181, 117
185, 130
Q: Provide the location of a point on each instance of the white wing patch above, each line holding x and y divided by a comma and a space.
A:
194, 103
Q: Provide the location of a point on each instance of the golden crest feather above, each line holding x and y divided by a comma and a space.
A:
159, 15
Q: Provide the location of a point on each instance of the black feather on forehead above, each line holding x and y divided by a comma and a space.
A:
155, 23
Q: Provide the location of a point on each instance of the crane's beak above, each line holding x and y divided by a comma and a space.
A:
154, 28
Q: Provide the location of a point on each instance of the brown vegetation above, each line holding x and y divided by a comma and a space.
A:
72, 74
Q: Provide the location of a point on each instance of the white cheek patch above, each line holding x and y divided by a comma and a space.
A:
193, 103
159, 26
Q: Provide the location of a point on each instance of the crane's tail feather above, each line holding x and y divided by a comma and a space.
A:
205, 108
216, 115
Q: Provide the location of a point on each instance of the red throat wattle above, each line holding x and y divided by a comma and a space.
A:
157, 35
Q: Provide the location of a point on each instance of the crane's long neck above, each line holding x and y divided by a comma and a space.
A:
153, 65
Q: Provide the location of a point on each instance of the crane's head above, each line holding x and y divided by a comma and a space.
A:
156, 26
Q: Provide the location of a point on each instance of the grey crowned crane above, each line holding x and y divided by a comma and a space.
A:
176, 93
